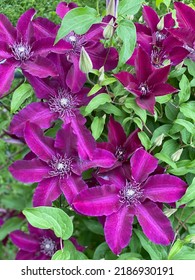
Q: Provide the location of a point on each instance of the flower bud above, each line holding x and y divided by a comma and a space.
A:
159, 139
112, 7
109, 30
160, 25
85, 63
176, 156
101, 77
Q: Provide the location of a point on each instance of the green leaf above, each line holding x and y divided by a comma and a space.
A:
108, 81
166, 2
191, 66
9, 226
163, 99
97, 126
184, 93
138, 122
171, 111
187, 125
94, 226
127, 33
50, 218
129, 256
156, 252
175, 249
145, 140
94, 89
69, 252
188, 109
101, 251
165, 158
112, 109
19, 96
186, 253
129, 7
170, 147
189, 195
163, 129
98, 100
131, 104
78, 20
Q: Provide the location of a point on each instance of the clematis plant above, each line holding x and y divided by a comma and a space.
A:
147, 83
133, 194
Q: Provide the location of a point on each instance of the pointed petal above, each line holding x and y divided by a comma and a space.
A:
116, 134
63, 8
159, 75
164, 188
169, 21
156, 226
184, 34
85, 141
142, 165
24, 241
146, 102
132, 143
47, 191
41, 145
177, 55
98, 201
163, 89
5, 51
37, 112
44, 27
8, 31
143, 66
24, 25
24, 255
71, 186
6, 77
29, 171
41, 67
46, 45
75, 79
151, 18
118, 229
126, 78
114, 177
185, 14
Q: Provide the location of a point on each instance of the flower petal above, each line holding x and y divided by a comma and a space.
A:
163, 89
37, 112
29, 171
71, 186
41, 67
98, 201
24, 241
177, 55
185, 14
146, 102
142, 165
63, 8
6, 77
159, 75
5, 51
116, 134
24, 255
41, 145
118, 229
164, 188
47, 191
132, 143
143, 66
151, 18
44, 46
127, 79
44, 27
8, 31
156, 226
24, 25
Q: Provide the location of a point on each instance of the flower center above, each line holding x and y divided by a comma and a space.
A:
144, 89
158, 57
160, 36
21, 51
48, 246
77, 41
131, 194
64, 103
61, 166
120, 153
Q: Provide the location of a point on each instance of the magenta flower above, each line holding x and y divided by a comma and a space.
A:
39, 244
136, 194
57, 165
186, 30
148, 81
157, 41
118, 143
20, 49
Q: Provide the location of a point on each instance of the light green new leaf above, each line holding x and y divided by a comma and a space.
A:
19, 96
127, 33
78, 20
97, 126
94, 89
188, 109
188, 125
9, 226
127, 7
50, 218
189, 195
191, 66
184, 93
145, 140
98, 100
69, 252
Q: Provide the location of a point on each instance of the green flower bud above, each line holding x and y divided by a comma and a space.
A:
109, 30
85, 63
176, 156
159, 139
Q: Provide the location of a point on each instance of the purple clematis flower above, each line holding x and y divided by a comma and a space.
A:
157, 41
186, 30
20, 49
148, 81
118, 143
57, 166
137, 194
39, 244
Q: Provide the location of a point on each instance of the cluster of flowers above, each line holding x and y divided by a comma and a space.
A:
126, 180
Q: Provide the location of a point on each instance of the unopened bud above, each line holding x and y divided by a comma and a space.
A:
109, 30
112, 7
176, 156
169, 212
85, 63
159, 139
190, 238
101, 77
160, 25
